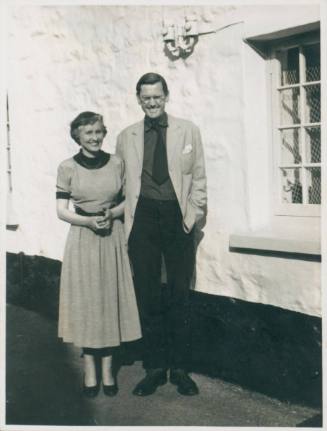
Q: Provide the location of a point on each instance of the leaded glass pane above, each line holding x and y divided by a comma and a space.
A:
291, 185
312, 145
314, 185
289, 60
312, 62
312, 104
290, 106
290, 150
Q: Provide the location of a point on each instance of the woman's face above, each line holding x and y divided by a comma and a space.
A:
91, 137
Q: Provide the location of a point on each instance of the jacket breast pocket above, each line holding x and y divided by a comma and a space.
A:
187, 162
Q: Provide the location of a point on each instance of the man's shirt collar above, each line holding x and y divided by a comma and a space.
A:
161, 121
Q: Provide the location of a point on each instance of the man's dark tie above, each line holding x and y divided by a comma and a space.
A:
160, 165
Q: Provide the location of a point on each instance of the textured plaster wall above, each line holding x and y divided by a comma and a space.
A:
66, 59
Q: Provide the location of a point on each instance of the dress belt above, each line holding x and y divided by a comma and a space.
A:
81, 212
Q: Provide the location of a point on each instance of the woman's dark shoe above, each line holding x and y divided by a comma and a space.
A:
185, 385
91, 391
110, 390
151, 381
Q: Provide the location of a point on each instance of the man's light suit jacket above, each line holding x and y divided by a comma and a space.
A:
185, 163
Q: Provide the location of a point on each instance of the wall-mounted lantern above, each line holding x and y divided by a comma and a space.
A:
180, 40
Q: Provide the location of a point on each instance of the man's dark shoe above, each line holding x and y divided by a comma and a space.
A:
185, 385
148, 385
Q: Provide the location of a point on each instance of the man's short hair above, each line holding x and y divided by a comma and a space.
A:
151, 78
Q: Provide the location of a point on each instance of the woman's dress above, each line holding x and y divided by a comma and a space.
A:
97, 301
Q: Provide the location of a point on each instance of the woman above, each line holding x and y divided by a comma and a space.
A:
97, 309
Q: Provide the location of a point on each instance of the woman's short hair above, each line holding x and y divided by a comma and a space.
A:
151, 78
84, 119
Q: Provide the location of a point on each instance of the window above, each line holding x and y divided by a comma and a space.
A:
296, 125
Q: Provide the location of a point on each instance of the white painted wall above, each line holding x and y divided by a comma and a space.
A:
66, 59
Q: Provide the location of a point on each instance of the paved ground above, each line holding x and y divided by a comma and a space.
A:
44, 378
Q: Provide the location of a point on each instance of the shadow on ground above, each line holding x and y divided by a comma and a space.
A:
42, 387
258, 347
44, 378
314, 422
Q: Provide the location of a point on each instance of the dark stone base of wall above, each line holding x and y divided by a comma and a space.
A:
261, 347
264, 348
33, 283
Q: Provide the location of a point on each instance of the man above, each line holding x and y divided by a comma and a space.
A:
165, 194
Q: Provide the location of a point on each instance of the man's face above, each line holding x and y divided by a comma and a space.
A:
152, 99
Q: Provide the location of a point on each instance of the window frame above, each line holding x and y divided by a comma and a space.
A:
300, 40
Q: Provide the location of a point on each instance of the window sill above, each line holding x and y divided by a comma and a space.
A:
296, 210
274, 241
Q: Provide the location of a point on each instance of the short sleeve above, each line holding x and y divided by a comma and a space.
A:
64, 175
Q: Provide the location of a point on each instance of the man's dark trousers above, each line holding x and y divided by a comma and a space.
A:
158, 230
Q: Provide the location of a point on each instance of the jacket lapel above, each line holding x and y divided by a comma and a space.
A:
138, 141
174, 133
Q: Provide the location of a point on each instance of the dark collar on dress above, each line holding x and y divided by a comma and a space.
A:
162, 121
100, 160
